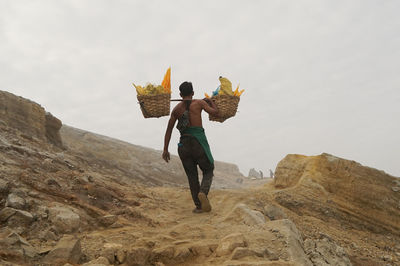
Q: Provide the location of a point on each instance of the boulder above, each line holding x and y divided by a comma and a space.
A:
292, 250
15, 201
108, 220
163, 254
100, 261
229, 243
64, 219
15, 218
6, 213
14, 242
203, 249
4, 186
120, 256
241, 252
138, 256
241, 213
182, 254
255, 174
110, 251
273, 212
68, 249
326, 251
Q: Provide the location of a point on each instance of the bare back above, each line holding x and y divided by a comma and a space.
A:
195, 109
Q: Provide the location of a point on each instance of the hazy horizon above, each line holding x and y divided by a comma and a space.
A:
319, 76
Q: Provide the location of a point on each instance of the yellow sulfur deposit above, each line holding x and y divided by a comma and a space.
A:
151, 89
236, 92
139, 89
166, 83
207, 96
226, 86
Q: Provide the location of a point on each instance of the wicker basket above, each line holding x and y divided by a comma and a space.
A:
227, 107
155, 105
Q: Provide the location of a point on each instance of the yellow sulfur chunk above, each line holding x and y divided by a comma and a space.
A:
240, 93
226, 86
166, 83
236, 92
160, 89
139, 89
207, 96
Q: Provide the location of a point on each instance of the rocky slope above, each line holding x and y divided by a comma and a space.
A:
99, 201
139, 162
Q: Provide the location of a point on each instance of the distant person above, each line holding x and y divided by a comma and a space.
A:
193, 148
271, 174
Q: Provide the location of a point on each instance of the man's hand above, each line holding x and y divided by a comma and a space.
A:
207, 100
166, 156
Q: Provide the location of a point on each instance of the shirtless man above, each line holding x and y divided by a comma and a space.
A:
193, 148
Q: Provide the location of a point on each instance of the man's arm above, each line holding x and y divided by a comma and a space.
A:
167, 138
210, 107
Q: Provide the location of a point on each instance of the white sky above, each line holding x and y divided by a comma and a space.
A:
320, 76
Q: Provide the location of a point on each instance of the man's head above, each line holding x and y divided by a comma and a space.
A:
186, 89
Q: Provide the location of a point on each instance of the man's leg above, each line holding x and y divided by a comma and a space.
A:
205, 165
208, 172
207, 168
190, 167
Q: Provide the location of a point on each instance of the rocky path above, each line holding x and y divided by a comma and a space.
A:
235, 232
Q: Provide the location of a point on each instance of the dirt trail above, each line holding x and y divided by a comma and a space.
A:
175, 235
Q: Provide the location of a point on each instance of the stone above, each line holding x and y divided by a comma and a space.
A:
325, 251
68, 249
43, 212
396, 189
163, 253
15, 201
20, 218
242, 252
286, 231
203, 249
53, 182
120, 256
182, 254
138, 256
100, 261
242, 213
48, 235
274, 212
255, 174
64, 219
110, 251
16, 242
6, 213
229, 243
108, 220
4, 186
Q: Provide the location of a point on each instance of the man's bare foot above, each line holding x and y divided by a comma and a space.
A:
205, 204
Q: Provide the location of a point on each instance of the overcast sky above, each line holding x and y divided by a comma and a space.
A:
319, 76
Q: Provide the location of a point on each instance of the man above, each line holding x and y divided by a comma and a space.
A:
193, 148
